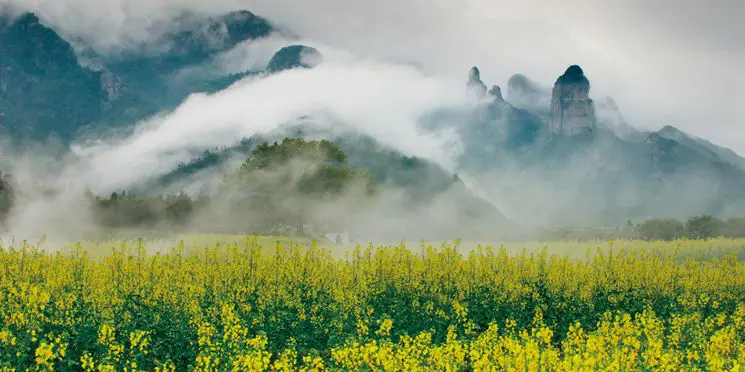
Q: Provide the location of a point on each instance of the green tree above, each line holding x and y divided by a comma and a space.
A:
661, 229
735, 227
702, 227
7, 195
286, 181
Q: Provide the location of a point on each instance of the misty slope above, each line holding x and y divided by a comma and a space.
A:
604, 176
421, 188
43, 88
46, 90
161, 74
703, 147
549, 155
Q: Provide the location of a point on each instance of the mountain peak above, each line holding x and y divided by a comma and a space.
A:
27, 19
35, 47
474, 73
572, 110
525, 93
670, 129
573, 75
496, 92
476, 88
239, 15
294, 56
521, 84
243, 25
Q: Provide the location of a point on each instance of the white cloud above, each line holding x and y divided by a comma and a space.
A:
665, 62
384, 101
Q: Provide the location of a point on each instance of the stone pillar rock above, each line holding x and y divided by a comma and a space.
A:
476, 87
572, 110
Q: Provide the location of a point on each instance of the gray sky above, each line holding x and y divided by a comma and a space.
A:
666, 62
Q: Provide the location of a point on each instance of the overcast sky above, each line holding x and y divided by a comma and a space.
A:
673, 62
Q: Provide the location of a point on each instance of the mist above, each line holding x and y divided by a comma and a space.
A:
655, 58
388, 64
381, 100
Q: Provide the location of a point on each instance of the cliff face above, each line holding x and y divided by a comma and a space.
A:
572, 110
43, 88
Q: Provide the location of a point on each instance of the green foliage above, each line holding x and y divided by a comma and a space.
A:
287, 180
420, 179
661, 229
267, 156
297, 169
702, 227
698, 227
249, 307
7, 195
128, 210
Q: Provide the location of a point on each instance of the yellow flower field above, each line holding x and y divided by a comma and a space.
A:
257, 305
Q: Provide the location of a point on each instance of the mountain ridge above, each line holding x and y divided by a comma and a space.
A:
582, 148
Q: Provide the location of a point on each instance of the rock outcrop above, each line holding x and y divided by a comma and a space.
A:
526, 94
43, 88
294, 56
496, 93
476, 88
572, 110
203, 38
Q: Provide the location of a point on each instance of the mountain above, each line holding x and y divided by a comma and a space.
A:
572, 110
294, 56
43, 88
160, 74
703, 147
527, 94
576, 164
436, 203
543, 154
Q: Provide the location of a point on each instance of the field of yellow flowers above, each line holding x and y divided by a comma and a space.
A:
291, 306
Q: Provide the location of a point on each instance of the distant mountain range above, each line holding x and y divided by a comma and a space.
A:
561, 158
45, 90
552, 156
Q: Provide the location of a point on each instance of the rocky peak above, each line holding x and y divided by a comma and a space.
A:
526, 94
30, 46
43, 83
496, 92
474, 74
476, 88
197, 39
572, 110
574, 75
294, 56
242, 25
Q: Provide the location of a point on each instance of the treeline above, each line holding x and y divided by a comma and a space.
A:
278, 188
125, 210
666, 229
699, 227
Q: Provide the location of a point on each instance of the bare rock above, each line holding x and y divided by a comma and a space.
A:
572, 110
